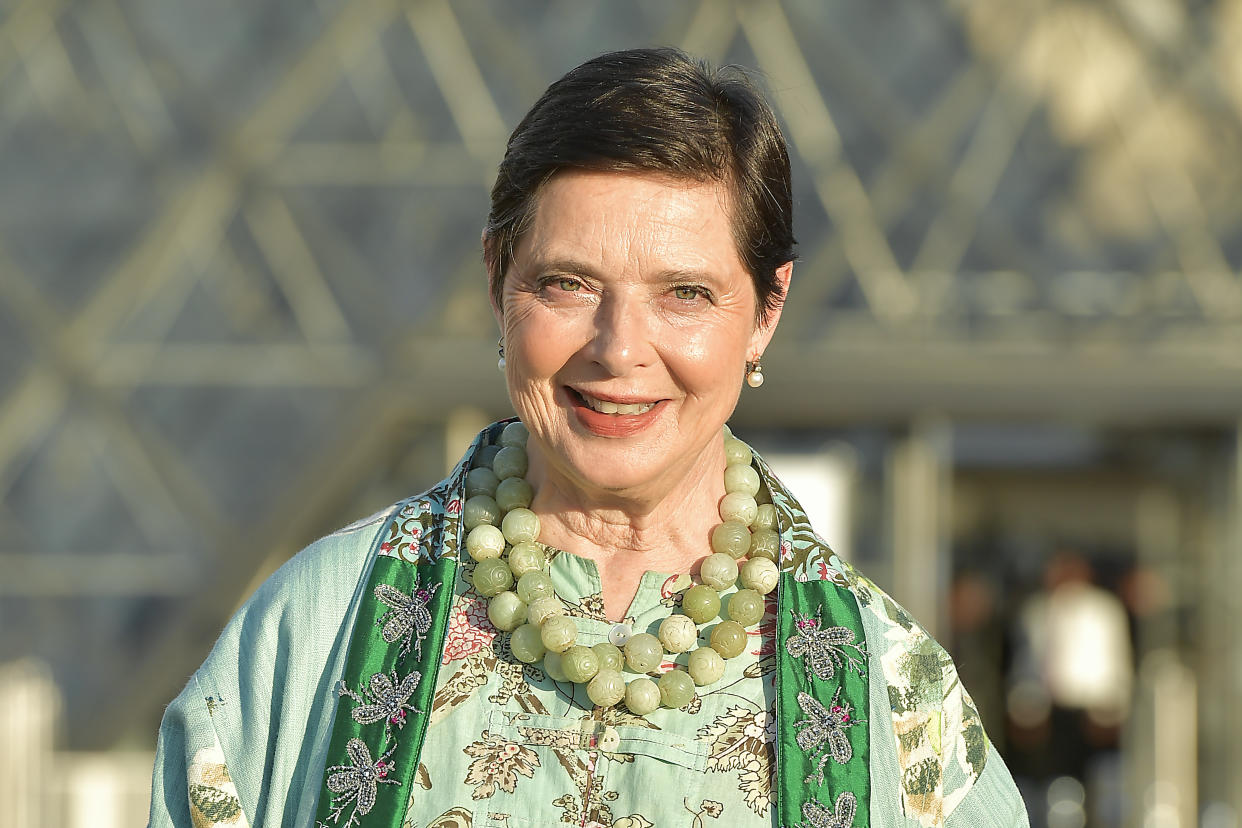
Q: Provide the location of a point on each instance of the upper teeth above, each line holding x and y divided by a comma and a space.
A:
606, 407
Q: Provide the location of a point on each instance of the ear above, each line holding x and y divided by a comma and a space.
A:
488, 264
765, 329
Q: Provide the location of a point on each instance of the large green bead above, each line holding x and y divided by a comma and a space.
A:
541, 609
485, 542
731, 538
610, 656
510, 462
742, 479
761, 575
642, 696
533, 586
506, 611
764, 543
527, 644
482, 481
559, 633
580, 663
607, 688
718, 571
643, 652
728, 639
705, 666
737, 453
514, 434
520, 526
765, 516
676, 689
526, 557
745, 607
739, 506
514, 493
480, 510
678, 633
701, 603
492, 577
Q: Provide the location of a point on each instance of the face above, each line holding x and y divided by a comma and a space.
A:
628, 318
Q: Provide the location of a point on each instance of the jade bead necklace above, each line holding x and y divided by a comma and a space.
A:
502, 535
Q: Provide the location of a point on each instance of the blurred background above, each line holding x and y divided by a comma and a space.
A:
242, 303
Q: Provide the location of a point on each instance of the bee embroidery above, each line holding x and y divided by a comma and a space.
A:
817, 816
358, 782
384, 698
825, 728
214, 703
826, 650
409, 617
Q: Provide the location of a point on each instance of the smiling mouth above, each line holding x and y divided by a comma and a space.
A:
609, 407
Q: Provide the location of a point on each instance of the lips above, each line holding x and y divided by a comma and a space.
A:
611, 407
613, 418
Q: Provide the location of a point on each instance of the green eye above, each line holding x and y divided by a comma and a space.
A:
567, 284
687, 293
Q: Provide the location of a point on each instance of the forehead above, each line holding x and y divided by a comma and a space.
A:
633, 216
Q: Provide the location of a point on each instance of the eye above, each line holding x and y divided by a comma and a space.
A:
568, 284
564, 283
689, 293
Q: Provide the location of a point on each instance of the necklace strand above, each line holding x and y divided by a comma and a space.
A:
502, 535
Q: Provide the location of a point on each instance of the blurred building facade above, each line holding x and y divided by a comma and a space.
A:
242, 303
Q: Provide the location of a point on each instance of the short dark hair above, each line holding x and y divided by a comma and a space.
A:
661, 111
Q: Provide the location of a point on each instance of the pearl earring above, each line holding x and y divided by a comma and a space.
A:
500, 363
754, 374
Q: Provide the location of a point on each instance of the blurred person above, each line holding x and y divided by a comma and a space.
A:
557, 633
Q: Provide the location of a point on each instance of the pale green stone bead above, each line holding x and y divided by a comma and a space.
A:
559, 633
484, 457
552, 666
746, 607
731, 538
510, 462
761, 575
678, 633
676, 689
642, 696
607, 688
764, 543
609, 656
480, 510
701, 603
705, 666
506, 611
765, 515
514, 493
520, 526
718, 571
533, 586
738, 506
527, 644
481, 481
580, 663
492, 577
742, 479
726, 431
514, 434
737, 453
485, 542
541, 609
526, 557
728, 639
643, 652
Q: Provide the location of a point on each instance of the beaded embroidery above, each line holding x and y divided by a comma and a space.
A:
824, 727
817, 816
826, 650
358, 782
409, 617
384, 697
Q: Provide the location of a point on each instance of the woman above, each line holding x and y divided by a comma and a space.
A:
445, 663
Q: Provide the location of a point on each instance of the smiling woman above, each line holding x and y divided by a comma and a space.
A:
610, 613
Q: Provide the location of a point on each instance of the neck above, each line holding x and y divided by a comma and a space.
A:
626, 533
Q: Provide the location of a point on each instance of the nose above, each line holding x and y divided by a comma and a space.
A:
622, 340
